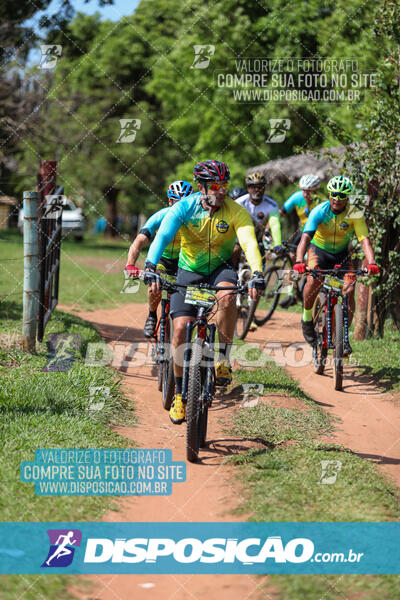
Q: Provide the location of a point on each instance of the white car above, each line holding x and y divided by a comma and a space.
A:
72, 221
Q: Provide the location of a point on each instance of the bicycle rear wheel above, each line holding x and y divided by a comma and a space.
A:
245, 315
194, 409
319, 352
300, 288
338, 350
168, 388
269, 298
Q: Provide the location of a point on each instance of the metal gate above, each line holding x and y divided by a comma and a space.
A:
49, 257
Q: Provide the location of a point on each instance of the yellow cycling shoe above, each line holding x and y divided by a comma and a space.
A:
223, 373
177, 412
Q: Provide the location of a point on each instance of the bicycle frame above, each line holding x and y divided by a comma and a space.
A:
330, 302
206, 331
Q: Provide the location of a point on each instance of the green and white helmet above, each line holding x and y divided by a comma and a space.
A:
308, 182
340, 184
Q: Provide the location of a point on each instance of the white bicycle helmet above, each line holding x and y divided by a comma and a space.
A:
309, 181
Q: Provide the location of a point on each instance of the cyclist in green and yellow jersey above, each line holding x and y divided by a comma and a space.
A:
209, 223
326, 235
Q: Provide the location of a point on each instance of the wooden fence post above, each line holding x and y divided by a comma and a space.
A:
31, 272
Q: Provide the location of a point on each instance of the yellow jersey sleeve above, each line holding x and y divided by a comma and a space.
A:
361, 229
247, 238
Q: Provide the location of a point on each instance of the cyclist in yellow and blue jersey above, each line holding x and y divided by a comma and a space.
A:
303, 201
209, 223
169, 260
326, 235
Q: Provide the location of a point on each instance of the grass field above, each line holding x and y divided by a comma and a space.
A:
91, 272
380, 358
51, 410
282, 482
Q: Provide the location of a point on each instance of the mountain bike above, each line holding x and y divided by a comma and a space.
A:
162, 348
331, 321
245, 306
279, 279
198, 382
161, 345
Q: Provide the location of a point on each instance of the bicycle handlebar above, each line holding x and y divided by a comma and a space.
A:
172, 287
336, 271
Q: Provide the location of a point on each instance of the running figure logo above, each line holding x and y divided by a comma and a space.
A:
330, 470
50, 54
279, 128
62, 547
203, 54
129, 127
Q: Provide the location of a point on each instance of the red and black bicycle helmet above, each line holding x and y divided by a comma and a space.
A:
211, 170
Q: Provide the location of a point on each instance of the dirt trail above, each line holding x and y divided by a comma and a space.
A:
370, 419
370, 426
207, 494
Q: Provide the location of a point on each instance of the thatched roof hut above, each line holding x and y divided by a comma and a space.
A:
283, 171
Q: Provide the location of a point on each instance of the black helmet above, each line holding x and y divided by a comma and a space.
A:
211, 170
255, 178
237, 192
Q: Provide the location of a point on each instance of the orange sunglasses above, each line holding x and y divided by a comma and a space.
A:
214, 187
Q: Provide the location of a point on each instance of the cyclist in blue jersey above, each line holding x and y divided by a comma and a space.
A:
169, 259
303, 201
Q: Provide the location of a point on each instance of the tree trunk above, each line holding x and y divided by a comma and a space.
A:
111, 211
361, 316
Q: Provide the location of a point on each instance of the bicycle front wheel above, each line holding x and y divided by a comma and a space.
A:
270, 296
168, 382
160, 367
194, 408
338, 350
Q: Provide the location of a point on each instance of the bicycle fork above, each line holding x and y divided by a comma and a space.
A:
186, 361
329, 308
346, 320
209, 359
161, 347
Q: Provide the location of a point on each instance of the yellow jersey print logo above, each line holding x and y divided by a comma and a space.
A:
222, 226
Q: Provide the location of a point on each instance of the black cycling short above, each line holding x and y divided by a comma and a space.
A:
168, 265
179, 308
318, 258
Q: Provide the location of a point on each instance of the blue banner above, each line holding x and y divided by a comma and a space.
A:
200, 548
